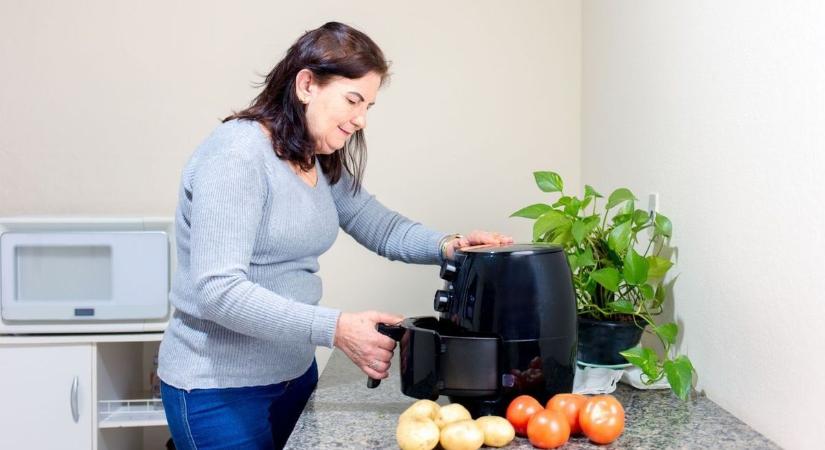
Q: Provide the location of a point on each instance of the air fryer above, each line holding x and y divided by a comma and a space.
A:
507, 326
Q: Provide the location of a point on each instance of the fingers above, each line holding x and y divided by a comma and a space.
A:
387, 318
382, 371
375, 362
479, 237
379, 366
383, 341
368, 349
381, 355
386, 344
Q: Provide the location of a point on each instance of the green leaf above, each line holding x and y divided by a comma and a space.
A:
622, 306
628, 208
586, 202
549, 181
640, 217
667, 332
635, 268
607, 277
620, 218
573, 261
658, 267
562, 201
585, 258
573, 207
679, 374
548, 223
643, 358
590, 192
647, 291
532, 212
561, 235
618, 196
659, 295
582, 227
619, 237
663, 225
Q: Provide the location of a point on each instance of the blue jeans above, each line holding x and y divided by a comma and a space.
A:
254, 418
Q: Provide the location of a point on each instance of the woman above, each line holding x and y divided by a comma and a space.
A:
259, 201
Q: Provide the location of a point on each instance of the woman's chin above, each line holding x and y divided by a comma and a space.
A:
328, 150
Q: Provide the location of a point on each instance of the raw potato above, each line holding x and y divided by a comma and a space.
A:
498, 432
422, 409
462, 435
417, 434
451, 413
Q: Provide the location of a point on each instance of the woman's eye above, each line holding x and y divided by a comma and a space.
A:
351, 101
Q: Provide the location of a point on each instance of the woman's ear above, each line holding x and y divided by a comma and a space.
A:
304, 85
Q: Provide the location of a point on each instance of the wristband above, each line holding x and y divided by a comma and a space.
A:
445, 241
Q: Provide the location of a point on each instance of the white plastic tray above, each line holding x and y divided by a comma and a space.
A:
130, 413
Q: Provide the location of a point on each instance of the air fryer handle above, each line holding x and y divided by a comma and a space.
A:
394, 332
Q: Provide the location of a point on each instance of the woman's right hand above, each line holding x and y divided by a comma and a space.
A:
370, 350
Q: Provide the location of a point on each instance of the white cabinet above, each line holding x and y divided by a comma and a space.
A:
85, 392
46, 397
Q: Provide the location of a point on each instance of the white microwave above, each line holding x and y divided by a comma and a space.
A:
85, 275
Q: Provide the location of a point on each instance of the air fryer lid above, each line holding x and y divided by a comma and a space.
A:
510, 250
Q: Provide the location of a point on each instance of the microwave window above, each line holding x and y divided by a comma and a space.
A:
52, 273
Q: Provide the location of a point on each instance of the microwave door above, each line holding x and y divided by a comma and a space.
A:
84, 276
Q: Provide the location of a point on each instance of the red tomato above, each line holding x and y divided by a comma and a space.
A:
520, 410
569, 405
548, 429
602, 419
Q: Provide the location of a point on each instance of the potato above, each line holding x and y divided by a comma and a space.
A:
451, 413
417, 434
422, 409
462, 435
498, 432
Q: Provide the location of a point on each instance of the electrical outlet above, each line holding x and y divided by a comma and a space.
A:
652, 209
653, 203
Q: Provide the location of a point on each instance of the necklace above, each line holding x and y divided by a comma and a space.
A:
309, 177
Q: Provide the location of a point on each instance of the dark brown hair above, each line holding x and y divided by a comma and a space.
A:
333, 49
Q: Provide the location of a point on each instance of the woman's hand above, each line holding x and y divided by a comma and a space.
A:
370, 350
475, 238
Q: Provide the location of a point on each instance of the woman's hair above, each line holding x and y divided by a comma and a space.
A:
333, 49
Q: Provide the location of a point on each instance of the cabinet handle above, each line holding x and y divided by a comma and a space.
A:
73, 399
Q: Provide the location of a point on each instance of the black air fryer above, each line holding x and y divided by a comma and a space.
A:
507, 327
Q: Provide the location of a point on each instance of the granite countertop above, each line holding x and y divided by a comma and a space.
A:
343, 414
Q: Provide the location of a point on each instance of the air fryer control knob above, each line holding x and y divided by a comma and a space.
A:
448, 270
441, 302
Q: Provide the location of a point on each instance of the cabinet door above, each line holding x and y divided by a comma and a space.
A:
47, 396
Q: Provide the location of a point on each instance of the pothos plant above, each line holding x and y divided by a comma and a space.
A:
616, 257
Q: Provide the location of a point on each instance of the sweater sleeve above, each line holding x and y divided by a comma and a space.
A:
382, 230
229, 191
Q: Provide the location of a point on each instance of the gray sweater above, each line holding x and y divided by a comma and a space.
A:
249, 233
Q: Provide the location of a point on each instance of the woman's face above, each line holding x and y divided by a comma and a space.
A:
338, 109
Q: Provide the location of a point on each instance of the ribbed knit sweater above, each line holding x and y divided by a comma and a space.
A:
249, 233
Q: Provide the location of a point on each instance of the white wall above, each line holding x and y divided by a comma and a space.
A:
720, 108
101, 102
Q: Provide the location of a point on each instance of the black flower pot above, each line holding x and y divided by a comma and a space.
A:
600, 341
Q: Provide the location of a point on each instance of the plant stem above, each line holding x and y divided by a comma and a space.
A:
649, 243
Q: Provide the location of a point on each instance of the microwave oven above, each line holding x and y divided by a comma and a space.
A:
85, 275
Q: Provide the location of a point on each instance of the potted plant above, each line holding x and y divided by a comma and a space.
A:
615, 255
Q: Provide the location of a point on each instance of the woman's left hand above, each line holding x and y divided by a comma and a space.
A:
477, 237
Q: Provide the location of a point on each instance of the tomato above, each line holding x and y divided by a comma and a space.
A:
520, 410
548, 429
569, 405
602, 419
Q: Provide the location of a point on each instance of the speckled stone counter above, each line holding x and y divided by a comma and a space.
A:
343, 414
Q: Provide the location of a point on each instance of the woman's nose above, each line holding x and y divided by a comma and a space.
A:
360, 121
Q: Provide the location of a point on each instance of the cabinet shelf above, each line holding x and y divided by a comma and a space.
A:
130, 413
